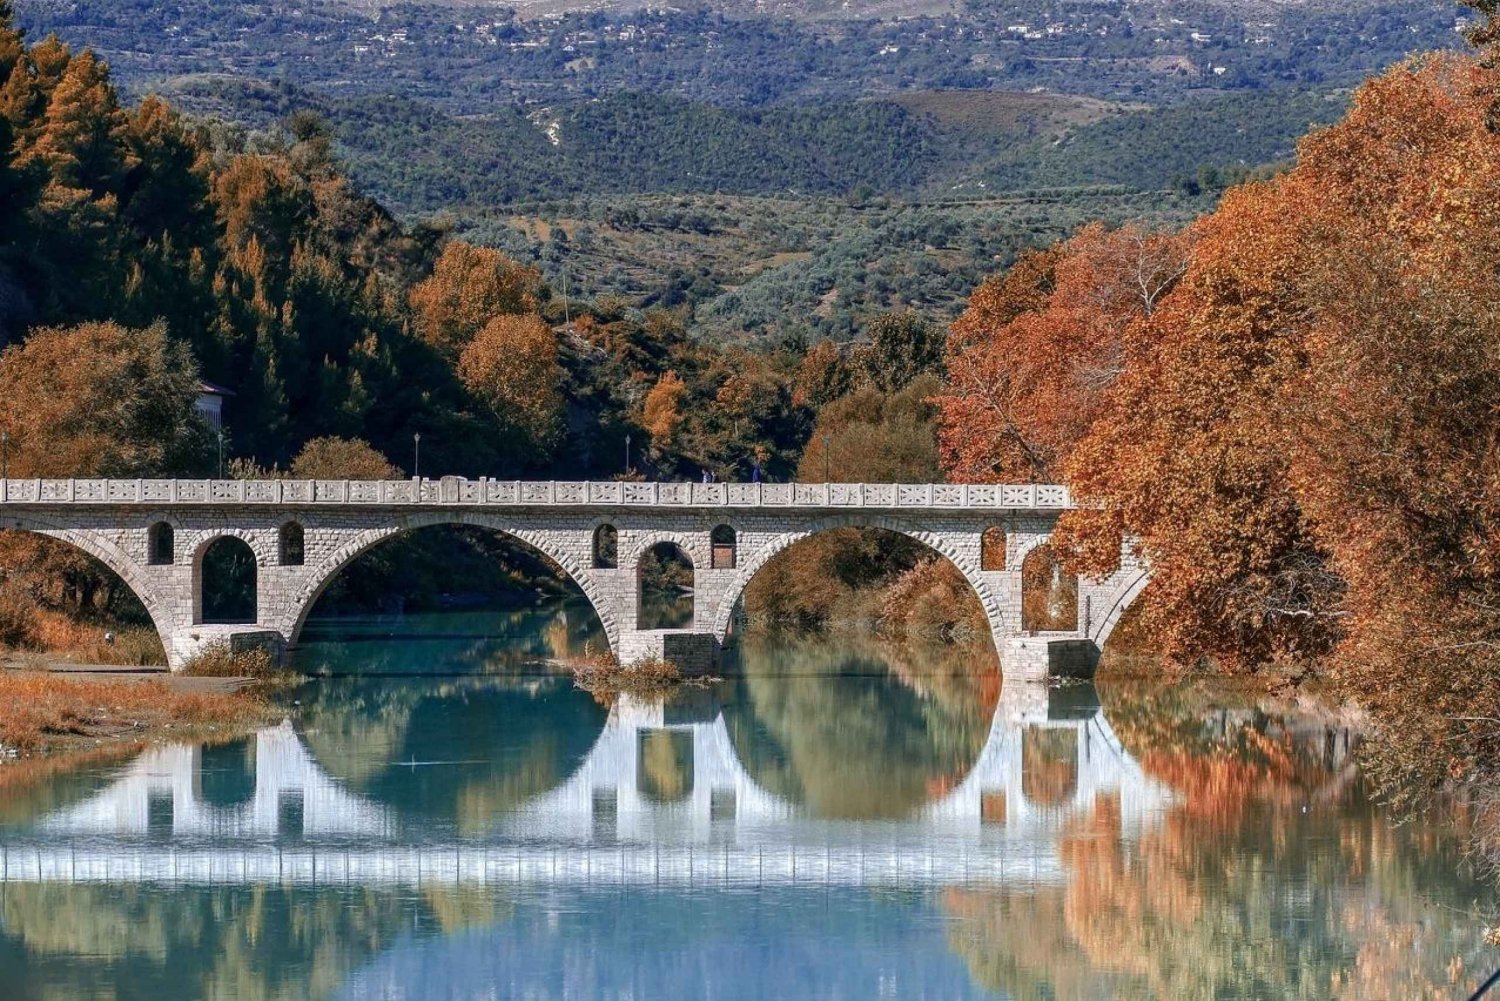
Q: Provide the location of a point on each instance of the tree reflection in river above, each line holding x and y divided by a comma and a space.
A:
851, 729
1239, 890
1187, 842
492, 642
450, 751
250, 943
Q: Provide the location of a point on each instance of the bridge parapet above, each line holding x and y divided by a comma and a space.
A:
488, 493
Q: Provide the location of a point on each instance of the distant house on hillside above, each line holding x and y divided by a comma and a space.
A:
210, 403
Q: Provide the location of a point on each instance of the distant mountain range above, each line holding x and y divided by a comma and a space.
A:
792, 165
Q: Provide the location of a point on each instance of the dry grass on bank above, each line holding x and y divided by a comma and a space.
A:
30, 628
40, 711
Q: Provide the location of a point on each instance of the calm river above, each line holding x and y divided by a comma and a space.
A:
441, 818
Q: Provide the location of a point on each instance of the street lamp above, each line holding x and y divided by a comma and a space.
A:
416, 464
627, 453
221, 453
4, 455
826, 452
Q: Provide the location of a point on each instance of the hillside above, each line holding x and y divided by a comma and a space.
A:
761, 268
474, 60
921, 145
766, 175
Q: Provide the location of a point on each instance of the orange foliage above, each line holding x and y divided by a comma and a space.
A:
511, 364
1032, 356
1395, 420
1298, 426
332, 458
98, 399
661, 413
1190, 450
1304, 437
470, 286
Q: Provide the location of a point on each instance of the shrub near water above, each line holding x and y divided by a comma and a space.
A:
219, 661
601, 673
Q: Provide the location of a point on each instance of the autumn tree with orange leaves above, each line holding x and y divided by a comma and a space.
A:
1394, 420
470, 286
511, 365
1031, 358
661, 412
1296, 422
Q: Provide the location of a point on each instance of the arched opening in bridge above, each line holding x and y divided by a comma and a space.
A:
722, 541
606, 547
867, 577
913, 715
56, 596
664, 586
292, 544
160, 545
1049, 595
1130, 643
452, 598
227, 582
992, 548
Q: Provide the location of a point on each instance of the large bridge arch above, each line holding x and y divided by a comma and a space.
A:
1114, 608
131, 568
320, 573
965, 555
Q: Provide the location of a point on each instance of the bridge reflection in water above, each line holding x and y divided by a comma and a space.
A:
661, 798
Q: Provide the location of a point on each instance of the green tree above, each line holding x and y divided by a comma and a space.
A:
902, 347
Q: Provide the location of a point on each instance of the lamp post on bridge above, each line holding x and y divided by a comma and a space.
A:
627, 453
220, 436
4, 455
416, 462
827, 440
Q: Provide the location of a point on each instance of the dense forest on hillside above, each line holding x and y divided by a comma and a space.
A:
764, 177
740, 268
867, 207
927, 146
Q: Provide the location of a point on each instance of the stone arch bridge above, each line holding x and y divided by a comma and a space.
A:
154, 534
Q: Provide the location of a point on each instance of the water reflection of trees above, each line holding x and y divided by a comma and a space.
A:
491, 642
249, 942
1239, 889
853, 730
453, 751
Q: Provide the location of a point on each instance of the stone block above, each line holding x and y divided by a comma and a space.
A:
1039, 658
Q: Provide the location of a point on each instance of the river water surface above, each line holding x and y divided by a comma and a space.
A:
440, 817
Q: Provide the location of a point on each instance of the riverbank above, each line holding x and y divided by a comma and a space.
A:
73, 709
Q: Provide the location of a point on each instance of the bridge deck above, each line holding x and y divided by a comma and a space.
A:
488, 493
